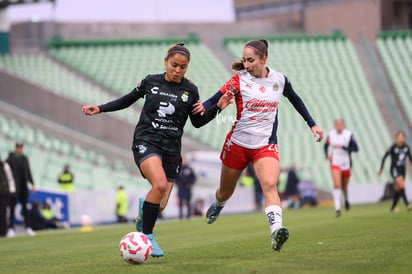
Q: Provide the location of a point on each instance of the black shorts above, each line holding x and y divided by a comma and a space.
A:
171, 163
397, 171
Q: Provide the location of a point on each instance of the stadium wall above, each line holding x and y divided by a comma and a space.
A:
351, 17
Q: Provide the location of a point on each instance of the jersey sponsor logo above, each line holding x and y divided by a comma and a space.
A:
155, 90
258, 120
257, 105
155, 125
185, 96
275, 86
249, 86
262, 89
165, 108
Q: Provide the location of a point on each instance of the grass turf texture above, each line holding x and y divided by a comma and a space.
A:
367, 239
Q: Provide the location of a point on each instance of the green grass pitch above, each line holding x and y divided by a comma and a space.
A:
367, 239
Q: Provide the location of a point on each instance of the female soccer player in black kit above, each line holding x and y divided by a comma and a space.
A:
398, 152
170, 99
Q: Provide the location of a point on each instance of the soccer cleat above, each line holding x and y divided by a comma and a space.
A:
409, 207
395, 210
213, 212
347, 205
11, 233
139, 218
338, 213
30, 232
156, 251
279, 237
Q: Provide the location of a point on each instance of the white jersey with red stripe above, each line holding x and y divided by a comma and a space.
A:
337, 141
257, 102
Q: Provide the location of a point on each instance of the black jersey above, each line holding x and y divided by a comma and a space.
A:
166, 109
398, 156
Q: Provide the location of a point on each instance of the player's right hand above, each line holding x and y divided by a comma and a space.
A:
90, 110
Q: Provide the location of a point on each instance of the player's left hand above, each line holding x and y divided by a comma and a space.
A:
225, 100
198, 108
317, 133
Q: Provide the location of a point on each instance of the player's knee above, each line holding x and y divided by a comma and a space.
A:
269, 185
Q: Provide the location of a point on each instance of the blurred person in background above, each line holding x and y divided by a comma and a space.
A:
121, 205
257, 90
343, 143
398, 152
7, 188
292, 191
20, 167
37, 220
170, 99
185, 182
65, 179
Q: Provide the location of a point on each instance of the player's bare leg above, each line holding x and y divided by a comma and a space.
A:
337, 192
228, 181
267, 171
400, 193
152, 169
345, 183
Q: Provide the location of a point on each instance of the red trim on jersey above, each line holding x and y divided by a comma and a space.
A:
234, 85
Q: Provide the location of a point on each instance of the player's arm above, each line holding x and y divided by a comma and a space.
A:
353, 145
202, 118
117, 104
409, 154
325, 148
383, 161
300, 107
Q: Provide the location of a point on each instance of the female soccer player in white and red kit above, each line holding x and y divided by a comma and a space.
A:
257, 90
343, 143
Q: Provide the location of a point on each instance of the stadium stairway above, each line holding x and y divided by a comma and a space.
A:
395, 50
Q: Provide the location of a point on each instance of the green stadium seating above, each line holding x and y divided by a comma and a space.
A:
45, 72
395, 50
119, 66
48, 154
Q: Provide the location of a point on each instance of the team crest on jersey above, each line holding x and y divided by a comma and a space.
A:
142, 149
185, 96
275, 87
233, 89
262, 89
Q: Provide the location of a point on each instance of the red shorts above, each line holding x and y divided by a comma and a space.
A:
345, 173
238, 157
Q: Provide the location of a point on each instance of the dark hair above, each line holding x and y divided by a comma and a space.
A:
179, 48
260, 48
400, 132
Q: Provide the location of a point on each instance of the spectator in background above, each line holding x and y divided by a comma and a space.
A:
66, 179
185, 182
36, 220
20, 167
121, 205
292, 192
7, 186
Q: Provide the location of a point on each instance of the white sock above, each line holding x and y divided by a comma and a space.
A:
220, 203
336, 198
274, 216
